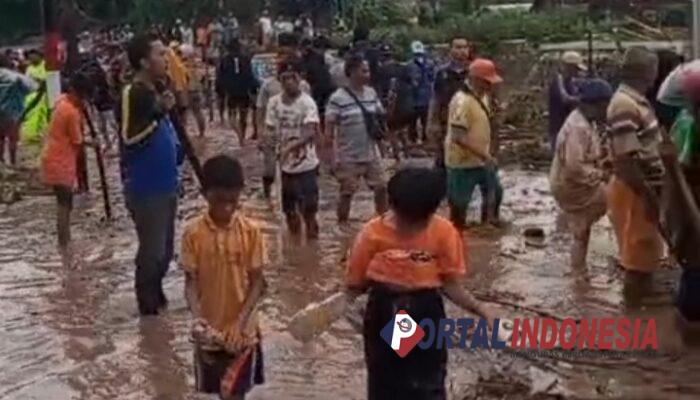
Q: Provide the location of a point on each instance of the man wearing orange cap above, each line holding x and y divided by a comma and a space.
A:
468, 155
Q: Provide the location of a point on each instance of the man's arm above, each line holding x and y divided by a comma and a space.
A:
308, 135
309, 131
331, 125
27, 83
581, 167
462, 141
624, 121
566, 97
454, 291
192, 294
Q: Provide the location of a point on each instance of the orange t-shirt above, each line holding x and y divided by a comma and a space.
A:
423, 261
60, 155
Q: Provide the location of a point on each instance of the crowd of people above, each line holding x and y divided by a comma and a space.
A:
630, 153
609, 156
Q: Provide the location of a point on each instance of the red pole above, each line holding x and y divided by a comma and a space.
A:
52, 49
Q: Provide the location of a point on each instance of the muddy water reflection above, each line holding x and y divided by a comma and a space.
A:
75, 334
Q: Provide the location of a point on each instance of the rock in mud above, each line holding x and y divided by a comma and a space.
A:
541, 382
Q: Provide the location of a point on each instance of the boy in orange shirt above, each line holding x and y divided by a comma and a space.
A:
223, 254
407, 259
59, 161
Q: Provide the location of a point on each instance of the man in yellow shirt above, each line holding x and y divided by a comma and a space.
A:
196, 75
223, 254
468, 155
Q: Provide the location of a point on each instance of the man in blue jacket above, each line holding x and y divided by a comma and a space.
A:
423, 77
150, 158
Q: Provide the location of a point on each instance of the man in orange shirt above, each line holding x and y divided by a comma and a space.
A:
60, 156
406, 259
223, 254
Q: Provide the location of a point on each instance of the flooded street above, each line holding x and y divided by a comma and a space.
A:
76, 334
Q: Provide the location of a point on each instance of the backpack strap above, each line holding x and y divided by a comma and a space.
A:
469, 92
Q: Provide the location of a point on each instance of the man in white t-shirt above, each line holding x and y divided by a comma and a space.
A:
292, 117
266, 29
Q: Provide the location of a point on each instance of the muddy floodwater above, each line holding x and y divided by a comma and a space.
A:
76, 334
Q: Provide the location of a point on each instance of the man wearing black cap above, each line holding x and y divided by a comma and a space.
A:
448, 80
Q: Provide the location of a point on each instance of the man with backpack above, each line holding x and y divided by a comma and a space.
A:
353, 126
468, 155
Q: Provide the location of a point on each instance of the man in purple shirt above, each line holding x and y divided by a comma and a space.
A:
563, 94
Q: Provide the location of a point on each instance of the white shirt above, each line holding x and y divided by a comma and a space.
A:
266, 25
286, 122
285, 27
187, 35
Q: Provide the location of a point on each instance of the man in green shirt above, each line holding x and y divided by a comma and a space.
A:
682, 195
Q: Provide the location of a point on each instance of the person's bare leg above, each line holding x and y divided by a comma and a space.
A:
63, 230
458, 216
3, 140
579, 248
222, 109
293, 223
255, 125
13, 149
311, 226
343, 210
211, 100
381, 203
242, 123
199, 117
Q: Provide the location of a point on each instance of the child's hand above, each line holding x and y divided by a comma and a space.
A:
489, 313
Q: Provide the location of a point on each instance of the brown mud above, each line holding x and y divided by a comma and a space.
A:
75, 333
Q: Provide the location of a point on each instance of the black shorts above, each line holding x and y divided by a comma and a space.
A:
211, 367
421, 374
237, 101
688, 300
64, 196
300, 192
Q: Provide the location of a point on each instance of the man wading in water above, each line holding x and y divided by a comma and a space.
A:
150, 157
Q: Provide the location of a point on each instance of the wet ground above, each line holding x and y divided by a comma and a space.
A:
75, 333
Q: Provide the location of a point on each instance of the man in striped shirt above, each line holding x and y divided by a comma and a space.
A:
633, 193
355, 150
